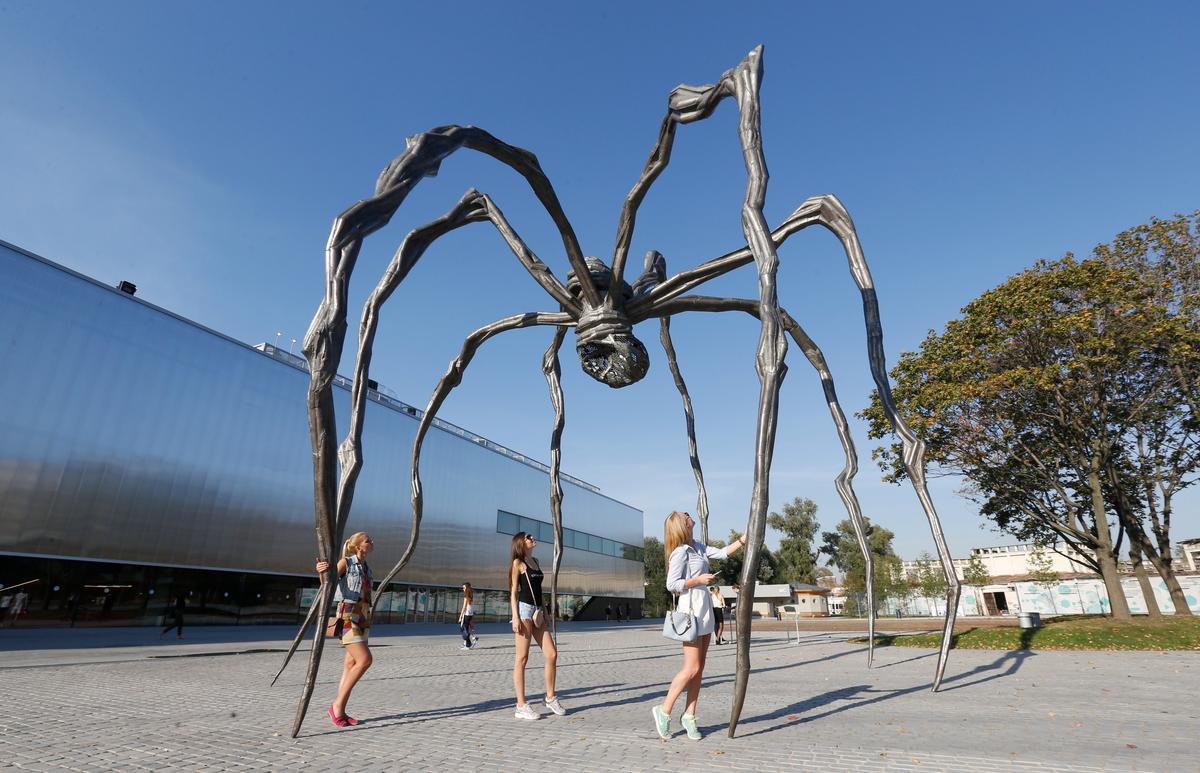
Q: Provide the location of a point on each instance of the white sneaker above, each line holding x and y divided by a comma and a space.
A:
527, 712
474, 639
555, 706
465, 647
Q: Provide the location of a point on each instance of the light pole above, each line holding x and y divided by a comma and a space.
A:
277, 338
292, 346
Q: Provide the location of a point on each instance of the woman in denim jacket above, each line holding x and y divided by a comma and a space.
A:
353, 599
688, 576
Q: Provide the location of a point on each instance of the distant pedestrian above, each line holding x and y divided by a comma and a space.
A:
718, 602
530, 622
466, 616
688, 576
353, 607
628, 612
176, 612
607, 612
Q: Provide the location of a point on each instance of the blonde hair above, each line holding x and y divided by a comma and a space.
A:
675, 533
350, 546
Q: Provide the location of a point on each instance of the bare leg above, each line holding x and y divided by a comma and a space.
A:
358, 660
693, 688
690, 668
521, 639
550, 654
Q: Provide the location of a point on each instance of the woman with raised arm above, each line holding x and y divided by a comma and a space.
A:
688, 577
530, 622
353, 599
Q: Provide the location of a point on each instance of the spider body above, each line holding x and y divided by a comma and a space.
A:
603, 308
608, 350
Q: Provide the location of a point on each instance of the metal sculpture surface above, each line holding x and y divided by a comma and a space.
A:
603, 308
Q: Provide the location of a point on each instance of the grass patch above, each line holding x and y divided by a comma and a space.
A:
1085, 633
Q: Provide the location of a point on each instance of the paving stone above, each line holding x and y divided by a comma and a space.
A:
75, 704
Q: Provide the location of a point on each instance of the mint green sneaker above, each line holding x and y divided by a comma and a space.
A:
662, 723
689, 724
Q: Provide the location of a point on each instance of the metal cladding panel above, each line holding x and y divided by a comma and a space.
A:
130, 434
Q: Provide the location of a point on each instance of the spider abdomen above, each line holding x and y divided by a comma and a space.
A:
608, 350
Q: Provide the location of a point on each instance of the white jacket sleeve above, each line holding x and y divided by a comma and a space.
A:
718, 553
677, 569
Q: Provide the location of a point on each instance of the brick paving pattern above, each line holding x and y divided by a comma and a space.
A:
205, 704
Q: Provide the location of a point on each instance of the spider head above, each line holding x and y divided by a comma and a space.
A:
608, 350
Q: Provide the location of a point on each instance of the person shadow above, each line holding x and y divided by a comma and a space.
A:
858, 696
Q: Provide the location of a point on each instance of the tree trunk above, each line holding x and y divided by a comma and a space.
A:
1104, 550
1139, 570
1178, 597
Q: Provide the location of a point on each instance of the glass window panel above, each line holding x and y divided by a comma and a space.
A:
506, 523
527, 525
595, 544
568, 538
608, 547
547, 533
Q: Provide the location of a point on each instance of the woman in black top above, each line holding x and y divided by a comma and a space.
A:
525, 597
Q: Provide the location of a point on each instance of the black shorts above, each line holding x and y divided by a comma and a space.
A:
719, 614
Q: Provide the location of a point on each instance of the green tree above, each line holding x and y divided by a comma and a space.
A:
1042, 571
795, 559
930, 580
976, 572
1028, 397
1161, 440
655, 572
976, 575
841, 547
729, 570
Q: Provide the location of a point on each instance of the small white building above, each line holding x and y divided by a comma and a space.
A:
1191, 555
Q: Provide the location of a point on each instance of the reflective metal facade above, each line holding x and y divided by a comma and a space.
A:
130, 434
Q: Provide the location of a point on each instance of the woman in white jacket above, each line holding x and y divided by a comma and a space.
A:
688, 576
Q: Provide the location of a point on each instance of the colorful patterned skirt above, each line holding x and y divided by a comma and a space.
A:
355, 624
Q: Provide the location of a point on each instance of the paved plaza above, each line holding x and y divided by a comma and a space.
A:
118, 699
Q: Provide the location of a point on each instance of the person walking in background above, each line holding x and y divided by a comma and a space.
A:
525, 597
353, 599
628, 612
465, 617
688, 576
176, 616
607, 612
718, 602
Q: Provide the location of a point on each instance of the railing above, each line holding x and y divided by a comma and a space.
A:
379, 396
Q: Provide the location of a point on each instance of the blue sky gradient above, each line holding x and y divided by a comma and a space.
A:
202, 151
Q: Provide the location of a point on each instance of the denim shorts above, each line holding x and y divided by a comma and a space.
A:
525, 611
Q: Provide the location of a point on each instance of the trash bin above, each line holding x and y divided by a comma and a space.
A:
1030, 619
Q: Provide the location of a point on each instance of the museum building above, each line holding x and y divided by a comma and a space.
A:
144, 456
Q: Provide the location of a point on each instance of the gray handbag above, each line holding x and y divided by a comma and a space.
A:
680, 626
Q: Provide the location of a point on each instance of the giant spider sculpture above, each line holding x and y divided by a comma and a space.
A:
603, 308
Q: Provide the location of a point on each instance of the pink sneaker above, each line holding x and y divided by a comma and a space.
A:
337, 721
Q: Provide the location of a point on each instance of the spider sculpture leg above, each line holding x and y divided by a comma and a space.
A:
324, 341
550, 368
827, 211
693, 455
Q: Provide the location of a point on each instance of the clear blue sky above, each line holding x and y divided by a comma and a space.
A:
202, 151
